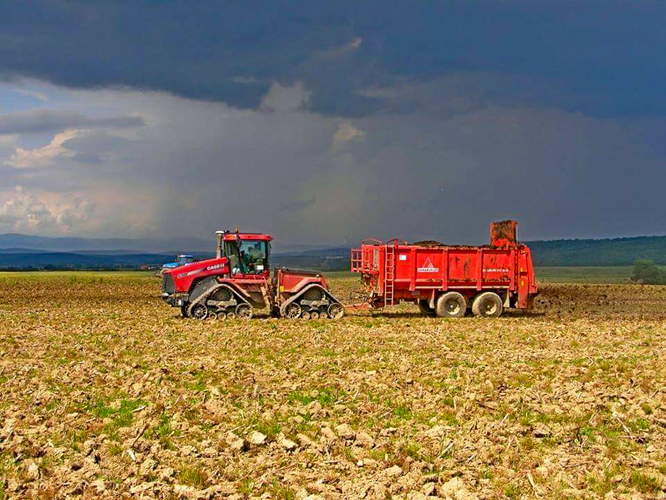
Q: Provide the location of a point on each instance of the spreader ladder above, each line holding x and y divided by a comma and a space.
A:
389, 275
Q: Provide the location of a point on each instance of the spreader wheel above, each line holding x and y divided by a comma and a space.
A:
293, 311
487, 305
305, 315
314, 314
221, 315
424, 307
231, 315
199, 311
244, 311
336, 311
451, 305
183, 310
212, 315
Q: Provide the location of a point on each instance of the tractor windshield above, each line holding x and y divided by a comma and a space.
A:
247, 256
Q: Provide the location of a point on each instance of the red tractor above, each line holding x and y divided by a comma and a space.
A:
238, 281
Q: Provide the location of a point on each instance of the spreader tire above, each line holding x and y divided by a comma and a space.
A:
451, 305
425, 308
487, 305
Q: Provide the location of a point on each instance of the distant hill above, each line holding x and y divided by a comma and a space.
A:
607, 252
21, 252
65, 260
108, 245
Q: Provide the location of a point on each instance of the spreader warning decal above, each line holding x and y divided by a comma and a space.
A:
428, 267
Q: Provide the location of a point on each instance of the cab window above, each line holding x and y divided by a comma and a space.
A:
247, 256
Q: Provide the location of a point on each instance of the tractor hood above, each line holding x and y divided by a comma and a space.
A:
198, 267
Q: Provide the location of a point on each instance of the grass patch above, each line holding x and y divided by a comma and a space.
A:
192, 476
644, 483
326, 396
281, 492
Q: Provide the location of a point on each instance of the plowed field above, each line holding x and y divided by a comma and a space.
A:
106, 393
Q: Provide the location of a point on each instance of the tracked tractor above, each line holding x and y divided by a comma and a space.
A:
238, 281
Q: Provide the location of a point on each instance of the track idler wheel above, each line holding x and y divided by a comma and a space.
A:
293, 311
244, 311
336, 311
199, 311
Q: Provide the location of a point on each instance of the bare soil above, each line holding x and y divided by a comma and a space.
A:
106, 393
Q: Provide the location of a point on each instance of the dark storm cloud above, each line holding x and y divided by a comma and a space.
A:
46, 120
298, 205
601, 58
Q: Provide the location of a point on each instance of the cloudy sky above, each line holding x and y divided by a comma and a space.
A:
327, 122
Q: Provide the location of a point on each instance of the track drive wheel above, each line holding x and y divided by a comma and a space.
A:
244, 311
314, 293
222, 293
293, 311
425, 308
199, 311
336, 311
487, 305
451, 305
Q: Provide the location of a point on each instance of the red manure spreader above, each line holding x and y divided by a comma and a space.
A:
238, 281
447, 281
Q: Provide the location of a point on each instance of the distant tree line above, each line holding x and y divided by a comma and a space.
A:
646, 272
614, 252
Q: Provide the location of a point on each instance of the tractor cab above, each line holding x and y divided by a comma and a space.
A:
248, 253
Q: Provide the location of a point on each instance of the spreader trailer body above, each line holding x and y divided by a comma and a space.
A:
449, 280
